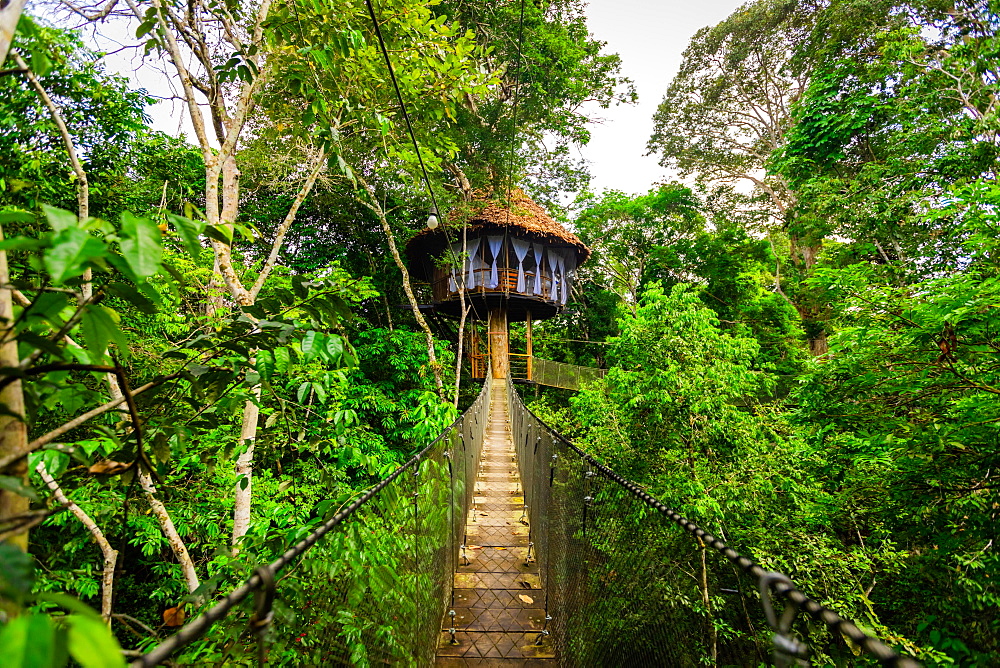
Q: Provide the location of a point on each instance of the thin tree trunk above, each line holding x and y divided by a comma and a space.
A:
407, 288
279, 234
170, 531
159, 510
13, 430
109, 553
244, 468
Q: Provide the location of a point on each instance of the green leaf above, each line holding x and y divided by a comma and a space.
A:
264, 364
310, 345
28, 641
142, 247
10, 216
60, 219
91, 643
129, 294
17, 572
304, 391
221, 233
335, 348
17, 486
71, 250
100, 327
55, 462
21, 244
190, 233
282, 360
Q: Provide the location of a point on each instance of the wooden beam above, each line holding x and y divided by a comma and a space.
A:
499, 350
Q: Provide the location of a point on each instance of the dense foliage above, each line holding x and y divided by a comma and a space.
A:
800, 339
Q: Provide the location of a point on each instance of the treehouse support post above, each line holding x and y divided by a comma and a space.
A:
527, 337
499, 352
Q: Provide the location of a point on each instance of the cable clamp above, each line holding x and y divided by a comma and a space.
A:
789, 651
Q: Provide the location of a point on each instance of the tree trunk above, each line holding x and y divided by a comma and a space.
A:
170, 531
9, 15
159, 510
244, 468
407, 287
13, 431
109, 553
499, 351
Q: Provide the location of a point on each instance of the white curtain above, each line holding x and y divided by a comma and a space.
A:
471, 246
538, 249
554, 269
570, 268
495, 243
561, 263
456, 253
521, 251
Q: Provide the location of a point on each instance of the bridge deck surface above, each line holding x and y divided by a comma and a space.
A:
499, 602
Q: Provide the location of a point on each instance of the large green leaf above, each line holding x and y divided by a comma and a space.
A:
60, 219
141, 247
190, 233
100, 327
70, 252
311, 345
91, 643
264, 364
28, 641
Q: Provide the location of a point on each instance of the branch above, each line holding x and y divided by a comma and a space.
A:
47, 438
83, 188
109, 553
279, 234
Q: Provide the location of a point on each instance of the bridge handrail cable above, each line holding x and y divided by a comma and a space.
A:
263, 577
767, 581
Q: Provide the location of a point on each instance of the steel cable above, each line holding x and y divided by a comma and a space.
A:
606, 559
384, 499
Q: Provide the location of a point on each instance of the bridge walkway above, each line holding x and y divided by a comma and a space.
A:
498, 601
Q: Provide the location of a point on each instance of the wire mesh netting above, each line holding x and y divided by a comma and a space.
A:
566, 376
626, 585
372, 591
381, 585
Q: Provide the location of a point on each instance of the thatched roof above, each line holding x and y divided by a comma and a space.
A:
524, 217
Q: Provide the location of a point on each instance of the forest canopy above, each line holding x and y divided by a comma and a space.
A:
213, 342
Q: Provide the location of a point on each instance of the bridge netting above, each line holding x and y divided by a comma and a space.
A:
627, 581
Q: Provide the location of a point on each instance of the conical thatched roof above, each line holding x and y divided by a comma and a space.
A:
524, 217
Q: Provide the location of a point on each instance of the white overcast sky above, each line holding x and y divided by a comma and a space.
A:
649, 35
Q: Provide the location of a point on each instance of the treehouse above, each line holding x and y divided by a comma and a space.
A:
518, 265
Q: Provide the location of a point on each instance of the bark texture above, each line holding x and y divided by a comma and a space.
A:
109, 554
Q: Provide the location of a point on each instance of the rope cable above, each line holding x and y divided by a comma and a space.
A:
402, 105
513, 138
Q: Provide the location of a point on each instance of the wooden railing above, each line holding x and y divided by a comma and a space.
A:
506, 283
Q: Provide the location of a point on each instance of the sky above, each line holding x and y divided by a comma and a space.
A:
650, 36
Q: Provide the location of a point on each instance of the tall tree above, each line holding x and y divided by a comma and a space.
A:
730, 108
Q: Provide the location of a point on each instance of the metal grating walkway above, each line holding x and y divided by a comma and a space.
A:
498, 602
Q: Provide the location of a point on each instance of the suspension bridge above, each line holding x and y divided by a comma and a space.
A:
503, 544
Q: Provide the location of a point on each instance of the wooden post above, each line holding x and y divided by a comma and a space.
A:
499, 352
527, 336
